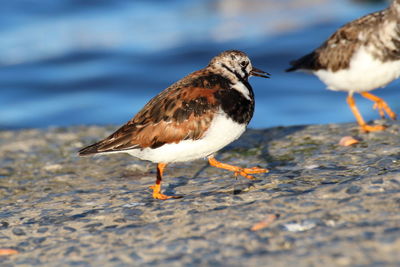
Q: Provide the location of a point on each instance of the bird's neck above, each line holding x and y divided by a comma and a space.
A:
229, 73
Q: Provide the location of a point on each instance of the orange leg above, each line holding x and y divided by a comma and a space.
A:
237, 170
381, 105
157, 187
365, 127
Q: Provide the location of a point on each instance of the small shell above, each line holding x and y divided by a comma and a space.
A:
7, 251
270, 218
348, 141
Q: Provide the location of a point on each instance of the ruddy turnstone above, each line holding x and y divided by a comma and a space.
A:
359, 57
193, 118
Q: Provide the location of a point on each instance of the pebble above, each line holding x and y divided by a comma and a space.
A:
4, 225
70, 229
39, 240
299, 227
354, 189
43, 230
18, 231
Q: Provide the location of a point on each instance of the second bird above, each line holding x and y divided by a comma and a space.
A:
361, 56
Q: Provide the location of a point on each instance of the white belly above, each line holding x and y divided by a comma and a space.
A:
221, 132
364, 74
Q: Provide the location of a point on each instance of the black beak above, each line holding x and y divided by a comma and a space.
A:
259, 73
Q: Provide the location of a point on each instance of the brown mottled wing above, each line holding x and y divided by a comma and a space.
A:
336, 52
181, 112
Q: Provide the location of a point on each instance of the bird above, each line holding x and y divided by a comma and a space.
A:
191, 119
360, 56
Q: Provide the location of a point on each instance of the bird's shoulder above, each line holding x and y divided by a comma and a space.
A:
194, 94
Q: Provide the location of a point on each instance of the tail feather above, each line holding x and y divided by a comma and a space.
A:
307, 62
89, 150
292, 68
109, 144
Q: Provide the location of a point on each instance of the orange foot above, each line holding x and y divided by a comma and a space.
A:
369, 128
158, 195
157, 187
380, 105
245, 172
364, 127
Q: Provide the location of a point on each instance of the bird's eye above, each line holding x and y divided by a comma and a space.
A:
243, 63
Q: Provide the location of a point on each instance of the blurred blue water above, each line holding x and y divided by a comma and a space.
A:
71, 62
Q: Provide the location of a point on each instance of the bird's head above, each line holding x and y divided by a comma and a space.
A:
238, 63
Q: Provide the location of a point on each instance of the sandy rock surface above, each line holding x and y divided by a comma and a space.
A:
321, 204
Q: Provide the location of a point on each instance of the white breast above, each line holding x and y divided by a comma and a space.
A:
221, 132
365, 73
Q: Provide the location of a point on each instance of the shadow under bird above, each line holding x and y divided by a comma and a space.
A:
193, 118
361, 56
